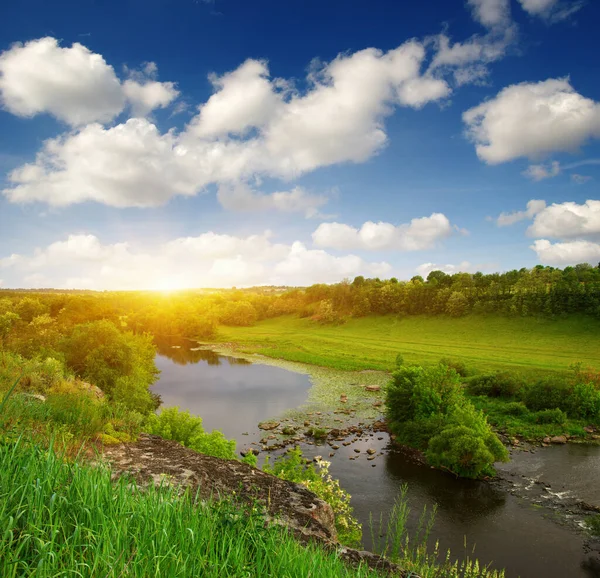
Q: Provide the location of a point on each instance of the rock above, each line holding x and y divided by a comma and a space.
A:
356, 450
152, 458
371, 451
271, 437
268, 425
547, 440
378, 404
370, 458
589, 429
335, 447
558, 440
332, 454
288, 431
346, 443
306, 423
372, 388
35, 396
93, 390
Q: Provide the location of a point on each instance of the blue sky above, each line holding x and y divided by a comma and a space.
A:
179, 144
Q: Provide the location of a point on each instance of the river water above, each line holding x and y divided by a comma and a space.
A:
473, 518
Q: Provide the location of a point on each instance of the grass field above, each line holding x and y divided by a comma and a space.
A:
526, 345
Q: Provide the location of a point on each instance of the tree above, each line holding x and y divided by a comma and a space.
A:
457, 304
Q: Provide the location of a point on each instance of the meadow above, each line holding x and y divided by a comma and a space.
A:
527, 345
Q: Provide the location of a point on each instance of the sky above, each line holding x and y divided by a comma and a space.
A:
171, 144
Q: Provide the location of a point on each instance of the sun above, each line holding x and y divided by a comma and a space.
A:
169, 285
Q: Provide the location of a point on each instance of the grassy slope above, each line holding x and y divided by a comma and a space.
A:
485, 343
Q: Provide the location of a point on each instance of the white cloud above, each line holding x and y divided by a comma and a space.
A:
244, 98
208, 260
149, 95
551, 10
241, 197
73, 84
463, 267
131, 164
567, 220
531, 120
580, 179
533, 208
338, 119
491, 13
420, 233
568, 253
541, 172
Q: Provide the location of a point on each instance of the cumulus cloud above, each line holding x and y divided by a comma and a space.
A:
533, 208
243, 99
241, 197
531, 120
129, 165
542, 172
420, 233
567, 220
208, 260
463, 267
73, 84
252, 125
566, 253
491, 13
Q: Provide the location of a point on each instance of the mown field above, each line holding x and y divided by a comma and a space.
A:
525, 345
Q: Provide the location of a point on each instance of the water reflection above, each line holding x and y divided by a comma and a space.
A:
230, 394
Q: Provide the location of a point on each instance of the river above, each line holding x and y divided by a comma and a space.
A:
474, 518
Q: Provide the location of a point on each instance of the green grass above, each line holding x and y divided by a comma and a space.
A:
525, 345
68, 519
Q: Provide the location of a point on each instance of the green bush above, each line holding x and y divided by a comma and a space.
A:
584, 402
547, 393
415, 393
187, 429
467, 445
550, 416
593, 524
293, 467
458, 366
515, 408
399, 360
501, 384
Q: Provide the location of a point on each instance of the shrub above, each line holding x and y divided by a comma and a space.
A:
593, 524
584, 401
416, 393
458, 366
515, 408
501, 384
467, 445
548, 416
187, 429
399, 360
292, 467
547, 393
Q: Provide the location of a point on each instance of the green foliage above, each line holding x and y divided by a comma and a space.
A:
240, 313
467, 445
113, 361
458, 366
399, 360
457, 304
515, 408
546, 416
500, 384
293, 467
593, 524
326, 314
64, 518
547, 393
584, 401
416, 393
412, 552
187, 429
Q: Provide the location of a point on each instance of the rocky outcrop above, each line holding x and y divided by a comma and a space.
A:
155, 460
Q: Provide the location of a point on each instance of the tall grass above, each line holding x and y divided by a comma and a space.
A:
392, 540
61, 518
